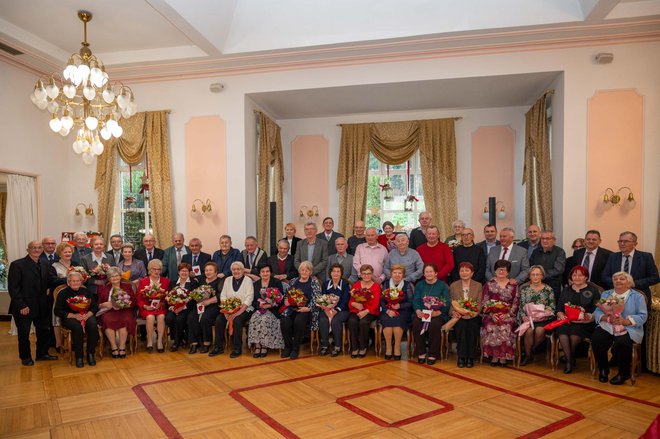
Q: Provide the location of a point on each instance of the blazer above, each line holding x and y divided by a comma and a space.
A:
141, 255
518, 259
224, 264
44, 258
202, 259
319, 258
475, 291
642, 269
88, 263
294, 243
289, 267
417, 238
483, 245
170, 267
331, 242
260, 257
635, 307
28, 286
111, 255
595, 276
77, 255
350, 273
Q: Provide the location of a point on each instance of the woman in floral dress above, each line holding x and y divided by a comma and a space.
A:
538, 293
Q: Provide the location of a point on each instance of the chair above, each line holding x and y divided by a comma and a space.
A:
314, 341
66, 334
133, 341
551, 355
635, 367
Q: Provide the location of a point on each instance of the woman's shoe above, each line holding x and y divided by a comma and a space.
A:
335, 352
204, 349
122, 353
115, 353
264, 352
469, 363
150, 349
354, 354
160, 350
193, 349
324, 351
362, 353
397, 357
461, 362
430, 361
421, 360
174, 347
568, 369
387, 357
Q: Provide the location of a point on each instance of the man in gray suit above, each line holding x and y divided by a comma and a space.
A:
515, 254
172, 257
344, 259
313, 250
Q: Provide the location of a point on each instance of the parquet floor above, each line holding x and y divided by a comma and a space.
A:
176, 395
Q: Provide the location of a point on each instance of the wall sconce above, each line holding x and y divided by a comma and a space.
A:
615, 197
89, 210
307, 212
204, 207
501, 214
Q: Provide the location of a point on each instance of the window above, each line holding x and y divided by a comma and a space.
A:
4, 267
132, 218
380, 210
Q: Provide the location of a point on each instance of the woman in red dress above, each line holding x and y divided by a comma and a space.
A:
120, 316
153, 309
361, 314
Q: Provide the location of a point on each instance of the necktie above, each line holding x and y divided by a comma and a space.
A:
117, 257
149, 256
626, 264
506, 249
587, 262
50, 259
251, 259
194, 260
178, 256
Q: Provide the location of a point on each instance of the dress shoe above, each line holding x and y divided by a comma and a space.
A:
619, 379
115, 353
46, 357
396, 357
263, 353
80, 362
335, 352
150, 349
91, 360
204, 350
431, 361
354, 354
161, 350
603, 375
174, 348
193, 349
568, 369
294, 354
387, 357
421, 360
286, 353
27, 362
122, 353
469, 363
235, 354
257, 353
324, 351
362, 353
216, 351
461, 362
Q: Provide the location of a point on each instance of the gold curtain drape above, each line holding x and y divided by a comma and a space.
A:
3, 214
394, 143
537, 174
145, 132
653, 323
270, 157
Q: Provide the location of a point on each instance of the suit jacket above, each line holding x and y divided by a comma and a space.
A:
44, 259
417, 238
28, 286
141, 255
170, 267
260, 257
642, 269
202, 259
518, 259
289, 267
331, 242
602, 255
350, 272
294, 243
76, 259
111, 255
483, 245
319, 258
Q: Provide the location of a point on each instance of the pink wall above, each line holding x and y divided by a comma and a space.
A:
205, 144
614, 159
492, 175
309, 179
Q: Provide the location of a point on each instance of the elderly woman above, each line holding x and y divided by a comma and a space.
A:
177, 317
497, 326
361, 314
467, 328
79, 322
535, 293
388, 237
238, 285
291, 238
265, 332
619, 331
295, 319
404, 255
116, 321
334, 316
132, 269
395, 317
430, 285
454, 240
57, 277
153, 310
205, 312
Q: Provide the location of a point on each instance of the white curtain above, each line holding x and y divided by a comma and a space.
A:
21, 220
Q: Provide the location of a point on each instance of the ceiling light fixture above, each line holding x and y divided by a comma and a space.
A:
83, 99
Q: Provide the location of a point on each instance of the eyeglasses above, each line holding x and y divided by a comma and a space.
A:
624, 241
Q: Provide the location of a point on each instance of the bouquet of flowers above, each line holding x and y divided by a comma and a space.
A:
393, 296
79, 269
431, 303
495, 307
154, 293
177, 298
120, 299
613, 307
573, 313
361, 295
453, 243
230, 306
269, 296
296, 297
99, 272
79, 304
535, 312
202, 292
463, 308
326, 300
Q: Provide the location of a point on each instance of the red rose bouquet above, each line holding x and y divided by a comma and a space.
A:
79, 269
230, 306
495, 307
269, 296
463, 308
361, 295
393, 296
296, 297
573, 313
79, 304
177, 298
99, 272
153, 293
201, 293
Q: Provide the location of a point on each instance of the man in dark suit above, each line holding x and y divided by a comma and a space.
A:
553, 260
592, 257
80, 248
49, 256
313, 250
196, 257
149, 250
282, 262
251, 257
418, 235
28, 289
490, 233
513, 253
329, 235
533, 240
172, 257
640, 265
116, 241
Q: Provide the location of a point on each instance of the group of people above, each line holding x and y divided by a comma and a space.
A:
489, 293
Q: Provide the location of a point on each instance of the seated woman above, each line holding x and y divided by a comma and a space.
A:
57, 277
296, 319
431, 330
177, 318
537, 293
334, 316
153, 310
579, 293
117, 320
265, 332
467, 328
395, 317
205, 312
361, 314
388, 237
74, 320
497, 334
132, 269
619, 332
241, 286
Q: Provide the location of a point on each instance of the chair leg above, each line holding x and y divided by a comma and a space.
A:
517, 355
411, 344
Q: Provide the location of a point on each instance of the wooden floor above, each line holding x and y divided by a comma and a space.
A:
178, 395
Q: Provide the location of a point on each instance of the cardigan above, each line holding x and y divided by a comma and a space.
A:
245, 292
437, 289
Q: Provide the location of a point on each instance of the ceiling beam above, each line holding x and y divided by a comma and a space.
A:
597, 10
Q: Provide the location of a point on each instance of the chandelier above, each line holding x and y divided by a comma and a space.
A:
82, 99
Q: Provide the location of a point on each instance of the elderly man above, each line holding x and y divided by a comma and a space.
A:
149, 250
196, 257
490, 241
404, 255
252, 257
28, 289
468, 251
533, 240
418, 235
80, 248
329, 234
342, 257
116, 242
372, 253
224, 257
515, 254
593, 257
553, 260
436, 252
282, 262
313, 250
97, 258
358, 237
49, 256
172, 257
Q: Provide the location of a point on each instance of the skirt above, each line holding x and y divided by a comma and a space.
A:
265, 331
582, 330
119, 318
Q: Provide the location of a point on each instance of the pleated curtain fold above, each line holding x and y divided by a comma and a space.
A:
270, 181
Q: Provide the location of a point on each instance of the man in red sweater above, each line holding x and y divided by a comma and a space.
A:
437, 252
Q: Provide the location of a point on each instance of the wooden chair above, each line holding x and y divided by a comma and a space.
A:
551, 355
635, 367
314, 341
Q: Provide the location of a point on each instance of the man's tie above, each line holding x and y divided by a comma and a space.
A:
149, 256
178, 256
506, 249
251, 258
194, 260
626, 264
587, 262
117, 257
50, 259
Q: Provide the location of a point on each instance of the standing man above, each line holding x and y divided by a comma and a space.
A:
533, 240
251, 257
313, 250
358, 237
372, 253
418, 235
116, 241
80, 248
436, 252
593, 257
173, 256
468, 251
342, 257
490, 233
553, 260
28, 289
49, 256
515, 254
149, 250
196, 257
329, 234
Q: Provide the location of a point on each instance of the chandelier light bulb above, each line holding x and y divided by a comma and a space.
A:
121, 101
52, 106
77, 146
96, 77
67, 121
68, 71
42, 104
64, 131
52, 90
91, 122
88, 158
111, 124
83, 71
89, 92
55, 124
105, 133
97, 147
40, 93
108, 95
69, 91
117, 131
